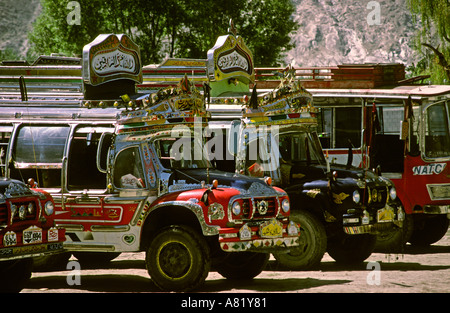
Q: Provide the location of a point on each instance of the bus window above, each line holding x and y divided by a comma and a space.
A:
437, 133
37, 153
128, 172
339, 125
390, 119
347, 127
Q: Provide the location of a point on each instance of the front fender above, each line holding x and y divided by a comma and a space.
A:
192, 205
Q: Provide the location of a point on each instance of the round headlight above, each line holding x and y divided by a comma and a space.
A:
356, 196
236, 208
49, 208
393, 193
285, 205
30, 208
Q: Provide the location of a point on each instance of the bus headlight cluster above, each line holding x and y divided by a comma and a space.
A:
356, 196
49, 208
236, 208
285, 205
393, 193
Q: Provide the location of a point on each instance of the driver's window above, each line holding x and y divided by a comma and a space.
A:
128, 171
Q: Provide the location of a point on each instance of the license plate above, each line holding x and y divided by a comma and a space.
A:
385, 215
245, 233
32, 234
271, 229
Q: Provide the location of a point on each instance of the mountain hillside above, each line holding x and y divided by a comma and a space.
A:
335, 32
16, 18
331, 31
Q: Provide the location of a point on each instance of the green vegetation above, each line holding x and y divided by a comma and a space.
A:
185, 29
434, 40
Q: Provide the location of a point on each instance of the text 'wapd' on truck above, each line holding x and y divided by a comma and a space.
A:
128, 173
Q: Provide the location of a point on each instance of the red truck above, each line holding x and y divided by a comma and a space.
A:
27, 230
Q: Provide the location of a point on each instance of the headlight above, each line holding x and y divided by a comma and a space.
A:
393, 193
30, 208
236, 208
356, 196
49, 208
285, 205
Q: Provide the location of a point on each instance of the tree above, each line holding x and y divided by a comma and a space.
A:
185, 29
435, 36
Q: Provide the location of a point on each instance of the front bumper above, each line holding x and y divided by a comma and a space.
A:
436, 209
268, 236
31, 242
384, 220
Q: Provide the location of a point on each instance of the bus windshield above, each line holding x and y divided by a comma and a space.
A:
436, 130
301, 147
181, 153
266, 153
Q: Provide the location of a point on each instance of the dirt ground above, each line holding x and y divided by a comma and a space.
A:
417, 270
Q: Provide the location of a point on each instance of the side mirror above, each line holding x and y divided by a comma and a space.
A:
233, 137
102, 151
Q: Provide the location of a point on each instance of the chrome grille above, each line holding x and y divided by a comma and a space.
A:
264, 207
375, 197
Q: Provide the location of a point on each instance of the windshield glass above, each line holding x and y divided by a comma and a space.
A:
290, 146
437, 134
181, 153
301, 147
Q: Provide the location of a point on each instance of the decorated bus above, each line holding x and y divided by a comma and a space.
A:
397, 125
128, 172
341, 209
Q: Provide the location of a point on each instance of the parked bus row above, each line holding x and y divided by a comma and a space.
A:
193, 163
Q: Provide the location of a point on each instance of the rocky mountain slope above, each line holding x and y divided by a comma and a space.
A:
16, 18
335, 32
331, 31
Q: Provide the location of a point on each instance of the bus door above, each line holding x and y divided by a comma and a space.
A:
386, 148
84, 202
5, 136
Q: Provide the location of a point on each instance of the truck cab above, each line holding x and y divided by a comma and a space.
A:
27, 231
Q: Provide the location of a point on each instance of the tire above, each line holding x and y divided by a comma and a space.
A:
313, 243
95, 257
394, 241
351, 249
429, 230
178, 259
242, 265
15, 274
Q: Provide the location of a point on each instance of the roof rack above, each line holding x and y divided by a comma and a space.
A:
287, 104
179, 105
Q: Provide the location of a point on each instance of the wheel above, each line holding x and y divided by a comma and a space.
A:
178, 259
429, 230
351, 249
95, 257
15, 274
395, 240
242, 265
313, 239
51, 262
